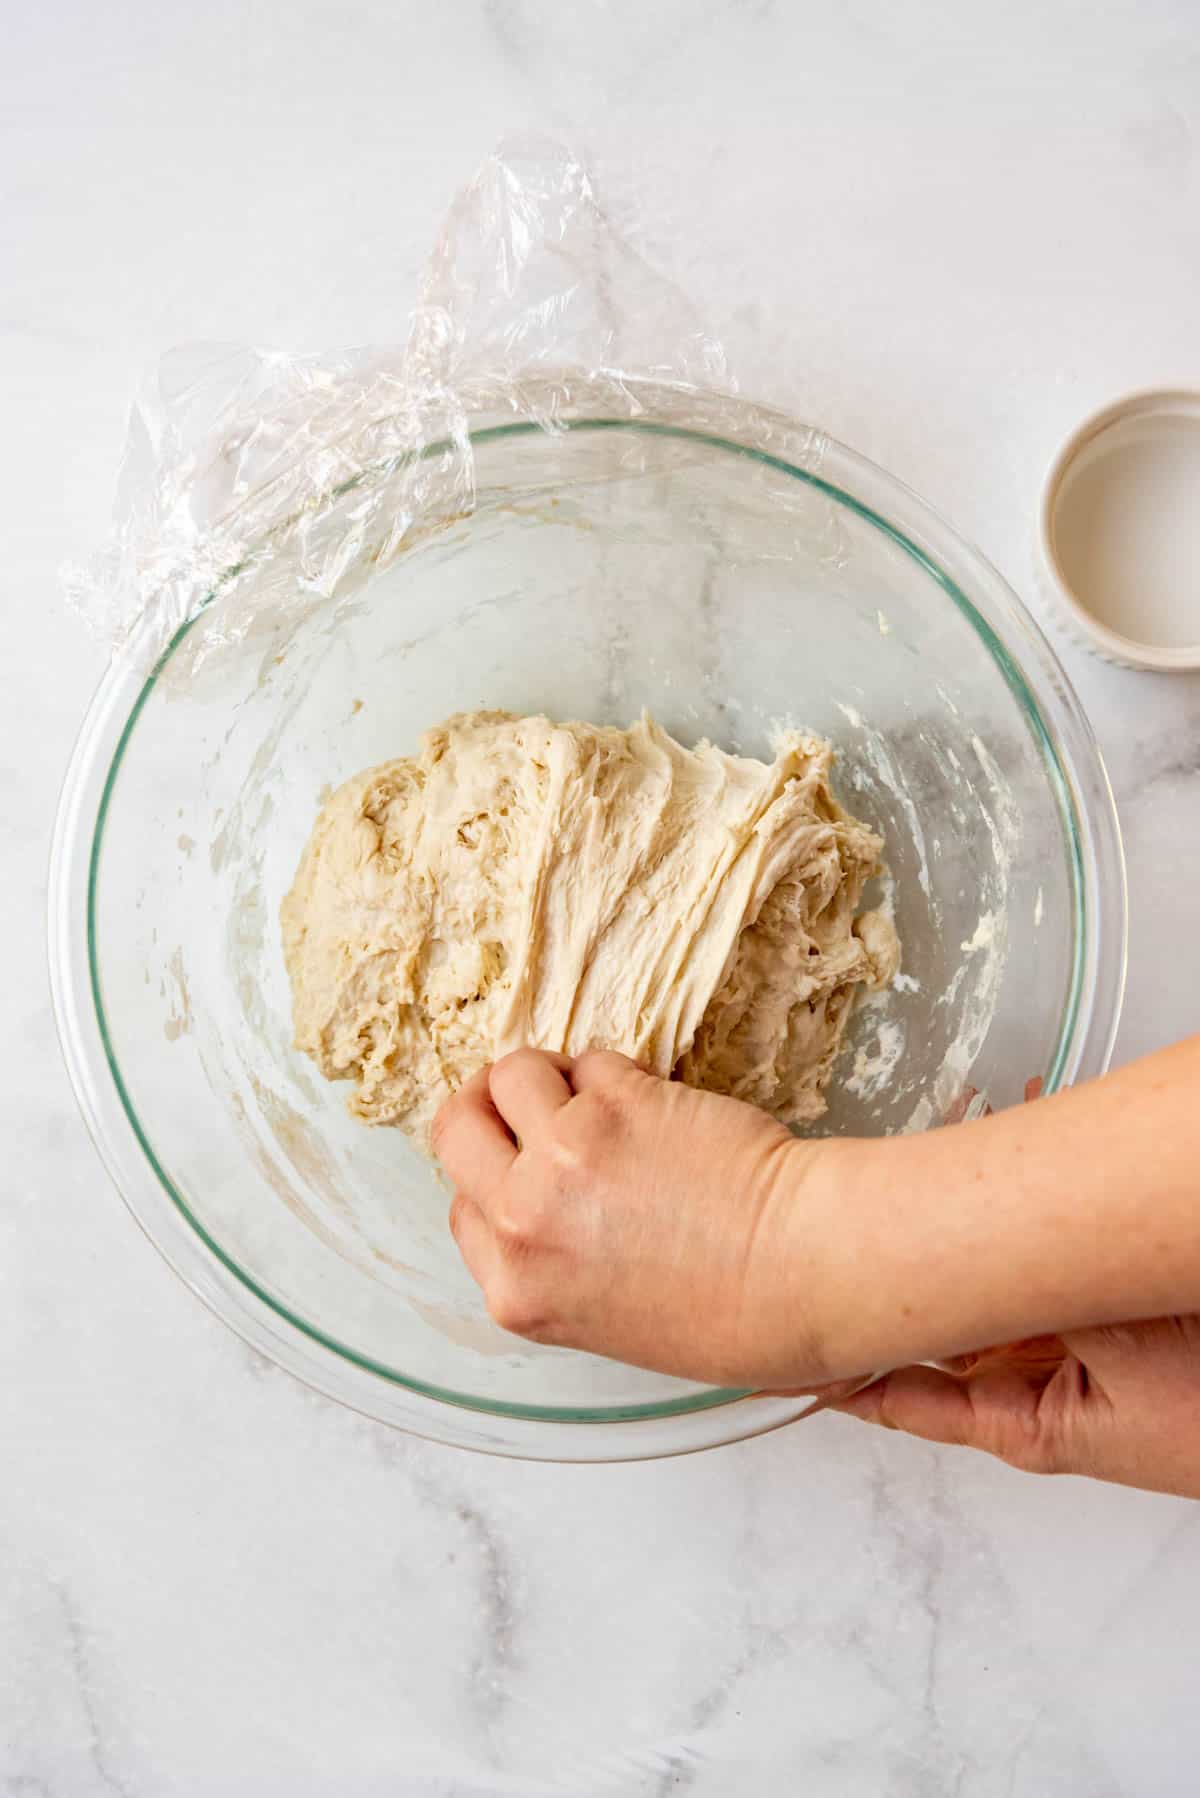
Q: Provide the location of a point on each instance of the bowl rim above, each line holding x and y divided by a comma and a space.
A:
697, 1420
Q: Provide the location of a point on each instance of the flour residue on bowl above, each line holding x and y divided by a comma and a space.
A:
895, 773
876, 1059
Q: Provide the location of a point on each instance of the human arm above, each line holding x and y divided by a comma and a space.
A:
687, 1232
1082, 1208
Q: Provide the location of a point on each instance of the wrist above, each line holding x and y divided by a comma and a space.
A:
890, 1251
808, 1328
936, 1247
1075, 1210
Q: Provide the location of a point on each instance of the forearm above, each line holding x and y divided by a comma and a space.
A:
1079, 1209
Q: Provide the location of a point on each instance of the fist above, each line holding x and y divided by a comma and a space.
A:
602, 1208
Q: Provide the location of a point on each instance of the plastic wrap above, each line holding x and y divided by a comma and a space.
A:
263, 479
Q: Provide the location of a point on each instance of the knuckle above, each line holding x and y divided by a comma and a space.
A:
600, 1118
569, 1166
514, 1064
516, 1308
563, 1158
510, 1225
592, 1061
604, 1065
519, 1221
548, 1332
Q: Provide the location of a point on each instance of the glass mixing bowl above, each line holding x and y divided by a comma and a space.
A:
614, 565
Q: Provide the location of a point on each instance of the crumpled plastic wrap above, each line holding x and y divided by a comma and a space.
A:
254, 480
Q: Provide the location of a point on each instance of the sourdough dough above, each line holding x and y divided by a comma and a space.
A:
574, 887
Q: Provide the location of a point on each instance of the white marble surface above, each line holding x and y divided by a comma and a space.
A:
944, 232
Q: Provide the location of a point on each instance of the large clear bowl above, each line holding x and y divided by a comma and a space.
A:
614, 565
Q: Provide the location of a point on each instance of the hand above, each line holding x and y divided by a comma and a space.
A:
1120, 1404
605, 1209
